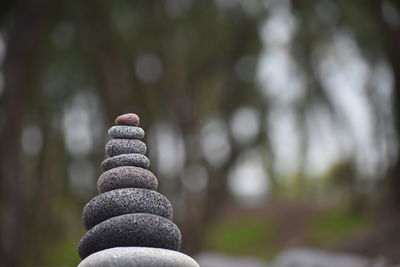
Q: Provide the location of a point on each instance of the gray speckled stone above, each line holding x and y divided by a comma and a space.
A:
126, 177
124, 201
136, 160
138, 229
126, 132
138, 257
125, 146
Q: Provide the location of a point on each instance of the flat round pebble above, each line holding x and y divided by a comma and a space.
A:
138, 229
125, 146
126, 177
138, 257
125, 201
129, 119
136, 160
126, 132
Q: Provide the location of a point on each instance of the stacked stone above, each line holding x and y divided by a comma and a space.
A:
129, 222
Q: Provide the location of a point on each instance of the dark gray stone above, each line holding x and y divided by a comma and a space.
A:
125, 146
138, 229
138, 257
127, 177
125, 201
126, 132
136, 160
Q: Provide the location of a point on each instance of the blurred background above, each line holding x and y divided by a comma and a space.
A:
270, 124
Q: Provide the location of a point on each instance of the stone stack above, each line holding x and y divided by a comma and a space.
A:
129, 222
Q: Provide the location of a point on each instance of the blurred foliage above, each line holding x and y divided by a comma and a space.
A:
329, 228
266, 236
212, 81
255, 236
62, 253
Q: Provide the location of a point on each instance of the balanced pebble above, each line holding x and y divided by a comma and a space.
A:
138, 256
127, 177
136, 160
138, 229
125, 146
124, 201
126, 132
129, 119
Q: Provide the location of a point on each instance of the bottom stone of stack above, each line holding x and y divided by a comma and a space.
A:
138, 257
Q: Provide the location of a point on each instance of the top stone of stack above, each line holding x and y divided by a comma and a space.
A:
129, 119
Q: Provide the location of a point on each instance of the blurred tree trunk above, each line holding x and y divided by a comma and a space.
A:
393, 48
23, 41
384, 238
107, 58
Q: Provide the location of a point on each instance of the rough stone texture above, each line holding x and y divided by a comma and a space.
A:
125, 146
138, 257
127, 177
215, 259
126, 132
130, 119
138, 229
125, 201
136, 160
129, 222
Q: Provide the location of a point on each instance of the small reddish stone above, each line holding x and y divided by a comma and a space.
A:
129, 119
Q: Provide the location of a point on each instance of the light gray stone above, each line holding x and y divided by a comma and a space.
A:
138, 257
125, 146
126, 177
125, 201
137, 160
215, 259
126, 132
